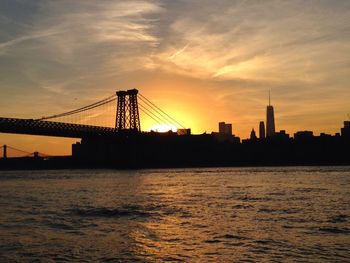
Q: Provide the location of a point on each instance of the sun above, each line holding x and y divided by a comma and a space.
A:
163, 128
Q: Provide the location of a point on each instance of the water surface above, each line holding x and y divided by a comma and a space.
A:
180, 215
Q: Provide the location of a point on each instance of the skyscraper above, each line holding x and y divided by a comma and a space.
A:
262, 130
270, 119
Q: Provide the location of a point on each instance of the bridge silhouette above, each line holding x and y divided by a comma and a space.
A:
75, 123
7, 151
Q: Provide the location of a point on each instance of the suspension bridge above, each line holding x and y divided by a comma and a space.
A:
7, 151
100, 118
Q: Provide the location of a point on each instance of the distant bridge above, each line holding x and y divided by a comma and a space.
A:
127, 118
7, 151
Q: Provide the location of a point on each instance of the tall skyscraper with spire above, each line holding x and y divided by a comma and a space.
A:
270, 119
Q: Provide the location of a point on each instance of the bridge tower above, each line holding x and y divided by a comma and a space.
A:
120, 116
127, 117
4, 151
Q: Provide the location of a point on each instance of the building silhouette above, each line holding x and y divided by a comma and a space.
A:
225, 128
281, 135
270, 120
345, 131
183, 131
225, 133
253, 135
262, 130
303, 135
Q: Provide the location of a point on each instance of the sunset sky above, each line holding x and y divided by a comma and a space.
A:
202, 61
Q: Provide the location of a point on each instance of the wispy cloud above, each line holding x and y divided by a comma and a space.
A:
256, 40
178, 52
32, 36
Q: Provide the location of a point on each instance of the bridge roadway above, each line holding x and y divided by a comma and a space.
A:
50, 128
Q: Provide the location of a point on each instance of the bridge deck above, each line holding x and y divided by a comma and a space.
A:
50, 128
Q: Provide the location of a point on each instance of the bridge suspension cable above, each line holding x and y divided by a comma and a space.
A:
82, 109
156, 115
160, 112
150, 114
18, 150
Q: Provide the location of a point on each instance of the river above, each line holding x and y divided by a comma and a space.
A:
293, 214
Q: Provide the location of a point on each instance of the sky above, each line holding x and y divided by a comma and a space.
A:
201, 61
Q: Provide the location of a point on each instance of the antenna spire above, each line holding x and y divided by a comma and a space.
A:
269, 98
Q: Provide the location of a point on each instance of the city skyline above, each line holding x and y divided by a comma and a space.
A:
56, 56
127, 123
